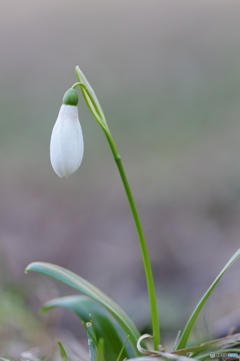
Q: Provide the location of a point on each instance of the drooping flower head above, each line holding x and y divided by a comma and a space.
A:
66, 145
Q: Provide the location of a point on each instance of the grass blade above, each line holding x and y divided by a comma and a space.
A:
100, 350
121, 353
188, 328
63, 353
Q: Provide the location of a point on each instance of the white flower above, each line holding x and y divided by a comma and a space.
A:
66, 146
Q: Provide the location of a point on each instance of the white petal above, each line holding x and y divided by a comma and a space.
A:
66, 146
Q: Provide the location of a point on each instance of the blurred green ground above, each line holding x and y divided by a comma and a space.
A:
167, 75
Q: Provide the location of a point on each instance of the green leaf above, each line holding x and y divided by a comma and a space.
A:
188, 328
88, 289
120, 356
100, 350
104, 324
63, 353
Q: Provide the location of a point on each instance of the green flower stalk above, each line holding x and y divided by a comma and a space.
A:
96, 110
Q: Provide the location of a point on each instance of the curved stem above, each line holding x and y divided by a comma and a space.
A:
88, 92
91, 105
142, 242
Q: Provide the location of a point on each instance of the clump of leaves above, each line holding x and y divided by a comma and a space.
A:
112, 336
111, 332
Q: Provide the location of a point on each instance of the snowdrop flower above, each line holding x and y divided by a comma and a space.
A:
66, 146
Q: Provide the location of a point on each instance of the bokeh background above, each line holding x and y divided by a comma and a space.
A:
167, 74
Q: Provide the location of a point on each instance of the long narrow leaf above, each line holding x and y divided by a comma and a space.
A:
104, 324
100, 350
88, 289
63, 352
188, 328
120, 356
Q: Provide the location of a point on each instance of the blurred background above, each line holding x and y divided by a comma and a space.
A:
167, 74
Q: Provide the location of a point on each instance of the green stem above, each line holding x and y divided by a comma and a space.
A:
89, 94
142, 242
